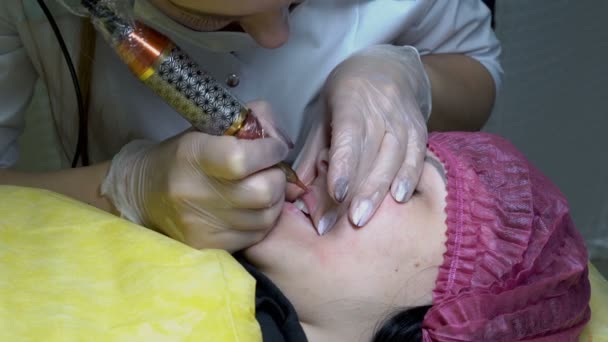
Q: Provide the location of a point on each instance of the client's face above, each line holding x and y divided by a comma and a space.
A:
391, 262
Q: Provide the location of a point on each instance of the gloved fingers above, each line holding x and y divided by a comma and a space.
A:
225, 239
230, 158
305, 164
347, 139
375, 186
266, 116
218, 228
261, 190
305, 172
322, 209
327, 212
409, 173
250, 219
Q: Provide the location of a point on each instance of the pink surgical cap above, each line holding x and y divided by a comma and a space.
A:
515, 268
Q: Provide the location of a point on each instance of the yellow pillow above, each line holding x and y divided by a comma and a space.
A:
71, 272
597, 328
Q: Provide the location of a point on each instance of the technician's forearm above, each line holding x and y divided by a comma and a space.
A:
463, 92
80, 183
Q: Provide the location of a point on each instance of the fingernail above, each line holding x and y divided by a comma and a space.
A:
403, 187
327, 222
341, 189
362, 213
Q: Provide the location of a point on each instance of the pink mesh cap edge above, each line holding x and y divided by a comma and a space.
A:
515, 267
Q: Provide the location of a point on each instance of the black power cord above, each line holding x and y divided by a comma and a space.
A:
81, 145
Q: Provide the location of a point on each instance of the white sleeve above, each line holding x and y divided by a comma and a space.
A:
457, 26
17, 81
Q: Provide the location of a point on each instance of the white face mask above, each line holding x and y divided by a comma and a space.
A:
150, 15
215, 41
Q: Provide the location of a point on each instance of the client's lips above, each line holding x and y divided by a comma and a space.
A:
306, 205
292, 208
310, 200
302, 208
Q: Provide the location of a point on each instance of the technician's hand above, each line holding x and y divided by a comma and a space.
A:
378, 102
206, 191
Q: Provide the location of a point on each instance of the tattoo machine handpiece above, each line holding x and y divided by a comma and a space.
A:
174, 76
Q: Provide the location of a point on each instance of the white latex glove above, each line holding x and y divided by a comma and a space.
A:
206, 191
378, 102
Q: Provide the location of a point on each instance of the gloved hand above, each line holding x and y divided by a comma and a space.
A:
378, 102
207, 191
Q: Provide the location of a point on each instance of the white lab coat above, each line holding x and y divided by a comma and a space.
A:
323, 33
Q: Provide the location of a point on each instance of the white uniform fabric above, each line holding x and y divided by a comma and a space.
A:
323, 33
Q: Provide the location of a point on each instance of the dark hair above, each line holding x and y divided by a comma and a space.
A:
405, 325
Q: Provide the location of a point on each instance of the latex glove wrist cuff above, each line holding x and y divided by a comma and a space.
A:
117, 185
424, 95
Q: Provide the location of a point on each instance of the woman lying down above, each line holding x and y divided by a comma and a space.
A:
485, 251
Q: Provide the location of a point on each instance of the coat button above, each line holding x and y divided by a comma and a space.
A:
232, 80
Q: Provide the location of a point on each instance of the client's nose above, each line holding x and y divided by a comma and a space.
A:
323, 163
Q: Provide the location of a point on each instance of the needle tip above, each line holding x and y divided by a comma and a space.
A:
292, 176
301, 185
